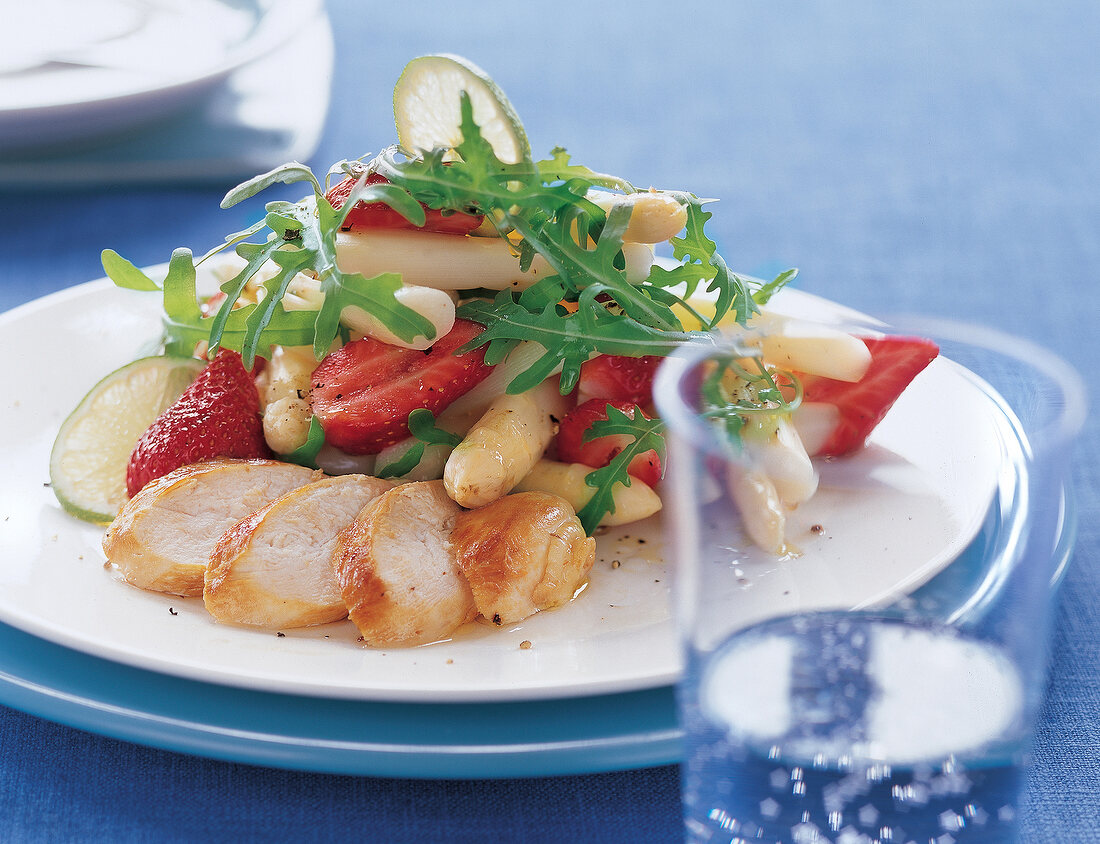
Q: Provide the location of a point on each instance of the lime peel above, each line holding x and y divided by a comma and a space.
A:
89, 457
426, 108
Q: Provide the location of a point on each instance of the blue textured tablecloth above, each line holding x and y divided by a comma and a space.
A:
940, 157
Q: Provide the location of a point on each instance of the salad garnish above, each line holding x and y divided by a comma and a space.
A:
586, 307
468, 338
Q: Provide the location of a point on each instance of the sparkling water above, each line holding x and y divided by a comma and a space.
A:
834, 729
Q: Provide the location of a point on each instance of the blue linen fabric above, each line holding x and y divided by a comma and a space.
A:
938, 157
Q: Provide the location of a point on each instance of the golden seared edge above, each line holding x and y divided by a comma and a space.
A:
397, 571
523, 553
273, 568
162, 538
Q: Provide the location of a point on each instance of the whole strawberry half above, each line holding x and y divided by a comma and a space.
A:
217, 416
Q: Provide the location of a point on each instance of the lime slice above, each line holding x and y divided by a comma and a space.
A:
89, 457
426, 108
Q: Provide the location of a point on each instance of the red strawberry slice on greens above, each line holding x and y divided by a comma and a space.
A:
217, 416
363, 392
599, 451
378, 215
895, 362
619, 378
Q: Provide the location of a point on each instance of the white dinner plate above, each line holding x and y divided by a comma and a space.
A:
920, 498
73, 72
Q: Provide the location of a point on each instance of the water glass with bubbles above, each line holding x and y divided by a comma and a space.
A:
877, 678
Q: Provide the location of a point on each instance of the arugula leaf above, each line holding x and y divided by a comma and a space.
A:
376, 296
233, 239
256, 257
260, 317
185, 326
596, 271
306, 453
558, 168
123, 273
697, 250
766, 291
302, 238
397, 198
404, 464
180, 301
422, 427
569, 339
731, 395
586, 306
645, 434
287, 173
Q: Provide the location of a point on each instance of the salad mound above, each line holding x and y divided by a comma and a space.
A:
456, 318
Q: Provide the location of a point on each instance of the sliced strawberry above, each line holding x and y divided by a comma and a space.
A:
619, 378
378, 215
895, 362
217, 416
364, 392
598, 452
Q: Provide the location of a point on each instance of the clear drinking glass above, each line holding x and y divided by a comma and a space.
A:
878, 680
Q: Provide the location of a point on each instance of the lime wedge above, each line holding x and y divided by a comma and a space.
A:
92, 449
426, 108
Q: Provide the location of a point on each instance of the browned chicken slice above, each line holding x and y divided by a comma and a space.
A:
522, 553
162, 538
274, 567
397, 570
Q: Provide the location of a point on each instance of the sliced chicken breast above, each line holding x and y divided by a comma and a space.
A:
162, 538
522, 553
397, 570
273, 568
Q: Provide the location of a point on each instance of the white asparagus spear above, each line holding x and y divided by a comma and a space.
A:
451, 262
762, 513
428, 468
503, 446
632, 503
464, 411
654, 216
284, 397
782, 459
437, 306
808, 347
780, 456
815, 422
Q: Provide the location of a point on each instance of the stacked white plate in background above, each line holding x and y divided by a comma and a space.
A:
159, 90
